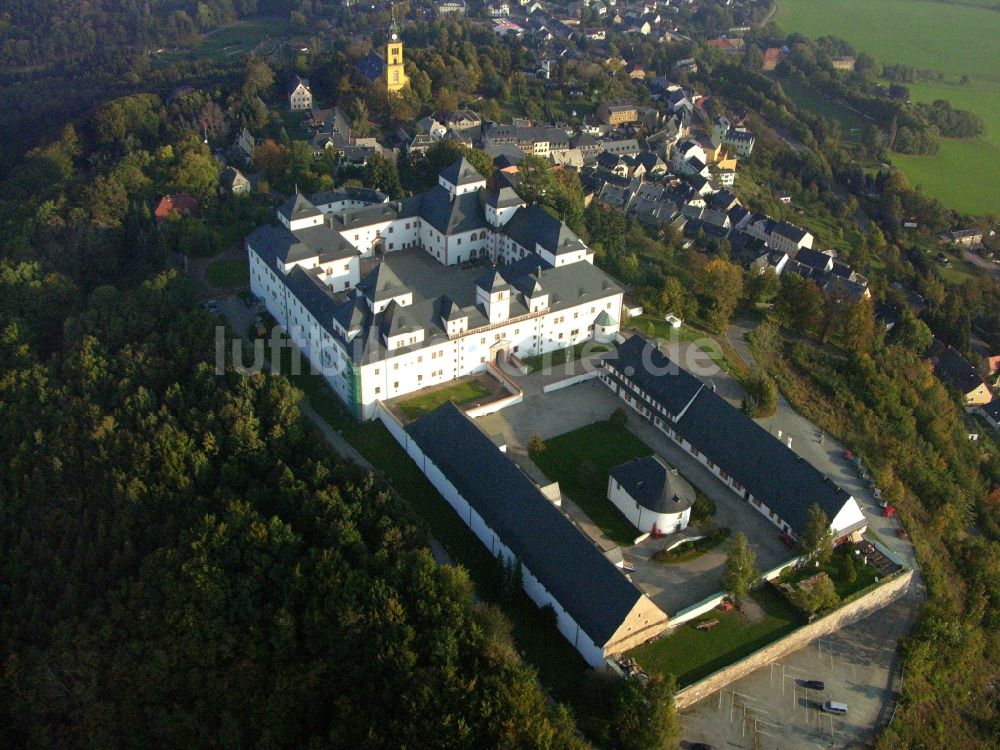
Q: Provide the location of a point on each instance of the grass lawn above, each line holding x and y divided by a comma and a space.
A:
955, 39
459, 393
962, 175
580, 461
223, 44
562, 356
720, 354
691, 654
805, 97
228, 273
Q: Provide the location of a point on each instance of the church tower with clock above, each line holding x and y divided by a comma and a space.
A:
395, 75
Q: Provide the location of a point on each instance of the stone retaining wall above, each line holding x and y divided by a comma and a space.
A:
846, 615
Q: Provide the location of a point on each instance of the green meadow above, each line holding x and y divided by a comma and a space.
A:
953, 39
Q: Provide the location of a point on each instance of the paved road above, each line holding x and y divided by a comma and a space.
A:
981, 263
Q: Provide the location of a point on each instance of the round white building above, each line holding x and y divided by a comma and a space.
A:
651, 494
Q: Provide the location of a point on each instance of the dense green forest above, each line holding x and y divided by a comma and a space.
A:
183, 562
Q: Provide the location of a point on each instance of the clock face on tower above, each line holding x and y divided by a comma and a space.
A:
394, 36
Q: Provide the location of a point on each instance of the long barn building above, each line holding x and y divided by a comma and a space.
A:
598, 610
770, 476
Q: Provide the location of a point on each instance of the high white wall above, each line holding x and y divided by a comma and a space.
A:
536, 591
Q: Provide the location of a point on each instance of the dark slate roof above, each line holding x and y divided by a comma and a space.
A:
298, 207
294, 84
588, 586
461, 172
371, 66
792, 232
813, 258
279, 243
313, 294
448, 215
651, 370
533, 224
769, 469
992, 409
492, 281
382, 283
502, 194
956, 371
654, 486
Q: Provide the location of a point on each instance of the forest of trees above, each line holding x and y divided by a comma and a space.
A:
183, 564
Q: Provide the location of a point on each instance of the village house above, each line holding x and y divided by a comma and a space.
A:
299, 95
617, 113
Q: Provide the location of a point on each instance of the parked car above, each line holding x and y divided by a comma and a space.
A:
835, 707
901, 533
814, 685
888, 510
788, 541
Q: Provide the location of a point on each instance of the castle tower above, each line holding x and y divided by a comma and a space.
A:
395, 76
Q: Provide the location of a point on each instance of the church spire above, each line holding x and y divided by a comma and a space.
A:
393, 28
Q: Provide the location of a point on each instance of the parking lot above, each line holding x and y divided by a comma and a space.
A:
771, 707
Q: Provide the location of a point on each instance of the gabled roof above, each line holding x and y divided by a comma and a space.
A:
502, 194
532, 224
397, 319
814, 258
298, 207
955, 370
492, 281
294, 84
570, 567
352, 315
461, 172
646, 366
654, 485
769, 469
382, 283
371, 66
452, 215
273, 243
790, 231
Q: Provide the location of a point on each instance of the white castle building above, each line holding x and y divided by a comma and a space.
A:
391, 297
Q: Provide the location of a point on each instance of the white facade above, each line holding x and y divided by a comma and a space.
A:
567, 626
643, 518
300, 98
849, 515
419, 354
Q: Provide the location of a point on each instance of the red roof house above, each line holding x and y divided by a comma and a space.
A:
182, 204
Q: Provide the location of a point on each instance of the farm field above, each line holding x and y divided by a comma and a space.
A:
953, 39
962, 175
